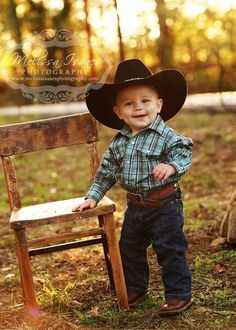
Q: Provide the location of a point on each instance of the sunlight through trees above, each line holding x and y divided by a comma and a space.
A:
197, 37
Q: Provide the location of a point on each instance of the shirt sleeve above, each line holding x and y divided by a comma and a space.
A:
179, 154
105, 177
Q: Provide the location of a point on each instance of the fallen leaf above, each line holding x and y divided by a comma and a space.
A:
219, 268
39, 280
201, 310
218, 243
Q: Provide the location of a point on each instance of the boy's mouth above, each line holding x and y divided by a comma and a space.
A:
139, 116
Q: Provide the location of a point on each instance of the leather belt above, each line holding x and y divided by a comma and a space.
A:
152, 198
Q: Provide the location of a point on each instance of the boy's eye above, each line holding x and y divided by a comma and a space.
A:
128, 103
146, 100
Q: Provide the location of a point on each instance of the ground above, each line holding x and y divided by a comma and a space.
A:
72, 286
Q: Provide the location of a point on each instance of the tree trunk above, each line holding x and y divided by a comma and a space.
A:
61, 20
88, 30
121, 45
165, 41
15, 22
16, 27
228, 225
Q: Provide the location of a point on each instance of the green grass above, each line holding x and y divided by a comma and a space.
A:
86, 302
216, 274
74, 283
199, 212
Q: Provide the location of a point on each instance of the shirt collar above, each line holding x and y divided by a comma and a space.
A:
157, 125
126, 131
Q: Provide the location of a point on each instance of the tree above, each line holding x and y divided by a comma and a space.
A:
16, 27
121, 45
88, 30
166, 40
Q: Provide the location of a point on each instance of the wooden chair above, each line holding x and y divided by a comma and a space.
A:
45, 134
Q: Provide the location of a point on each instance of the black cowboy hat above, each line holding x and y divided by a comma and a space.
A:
170, 85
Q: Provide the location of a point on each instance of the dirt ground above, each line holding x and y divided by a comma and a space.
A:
73, 284
73, 287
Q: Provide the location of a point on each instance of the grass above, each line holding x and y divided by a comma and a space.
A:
214, 295
198, 212
218, 272
72, 286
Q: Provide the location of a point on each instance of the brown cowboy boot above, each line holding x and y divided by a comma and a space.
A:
174, 306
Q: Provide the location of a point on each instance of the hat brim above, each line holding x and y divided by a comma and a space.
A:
170, 85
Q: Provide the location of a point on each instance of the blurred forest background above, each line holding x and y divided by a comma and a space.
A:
195, 36
46, 44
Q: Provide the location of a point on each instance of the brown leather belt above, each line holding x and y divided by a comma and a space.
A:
152, 198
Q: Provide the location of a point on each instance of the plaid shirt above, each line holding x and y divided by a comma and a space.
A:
130, 160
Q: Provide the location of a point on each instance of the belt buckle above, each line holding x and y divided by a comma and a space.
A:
138, 199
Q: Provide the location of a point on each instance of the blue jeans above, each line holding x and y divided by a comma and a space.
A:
163, 229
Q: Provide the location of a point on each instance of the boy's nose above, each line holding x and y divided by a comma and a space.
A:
138, 106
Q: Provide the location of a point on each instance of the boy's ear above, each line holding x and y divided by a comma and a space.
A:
159, 104
117, 112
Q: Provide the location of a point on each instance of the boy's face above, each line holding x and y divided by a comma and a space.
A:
138, 106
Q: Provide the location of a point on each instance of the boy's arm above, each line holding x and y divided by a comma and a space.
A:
104, 180
105, 177
179, 155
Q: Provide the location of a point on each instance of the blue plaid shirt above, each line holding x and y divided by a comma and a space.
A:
130, 160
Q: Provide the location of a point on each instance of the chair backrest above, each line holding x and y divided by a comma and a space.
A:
16, 139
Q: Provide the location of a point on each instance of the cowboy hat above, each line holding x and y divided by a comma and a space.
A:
170, 85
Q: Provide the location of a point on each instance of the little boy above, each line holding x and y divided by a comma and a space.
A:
147, 159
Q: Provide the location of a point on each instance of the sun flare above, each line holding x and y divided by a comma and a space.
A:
138, 19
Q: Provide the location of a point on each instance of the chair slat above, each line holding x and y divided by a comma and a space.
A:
59, 238
63, 246
47, 134
57, 212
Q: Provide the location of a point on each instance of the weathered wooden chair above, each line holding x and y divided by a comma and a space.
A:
45, 134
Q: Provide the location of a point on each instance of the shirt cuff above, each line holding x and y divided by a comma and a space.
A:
94, 194
179, 168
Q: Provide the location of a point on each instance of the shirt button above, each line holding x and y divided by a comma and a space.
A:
128, 162
132, 142
148, 151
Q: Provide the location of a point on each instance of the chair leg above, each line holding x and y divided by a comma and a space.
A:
116, 264
26, 274
106, 253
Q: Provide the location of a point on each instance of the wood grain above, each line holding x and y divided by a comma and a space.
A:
11, 182
57, 212
115, 258
47, 134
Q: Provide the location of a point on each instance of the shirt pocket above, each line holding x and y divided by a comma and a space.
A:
150, 157
150, 152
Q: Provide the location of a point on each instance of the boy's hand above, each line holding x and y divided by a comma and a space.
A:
88, 203
163, 171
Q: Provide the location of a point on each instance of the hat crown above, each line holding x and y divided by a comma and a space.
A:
133, 69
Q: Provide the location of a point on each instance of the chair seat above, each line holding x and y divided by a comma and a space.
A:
55, 212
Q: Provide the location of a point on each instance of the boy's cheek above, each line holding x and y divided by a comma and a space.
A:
117, 112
